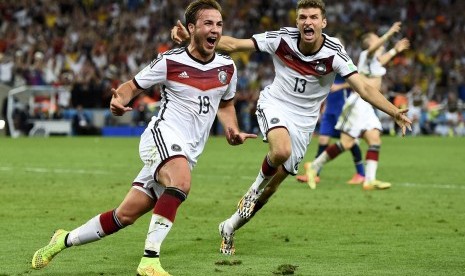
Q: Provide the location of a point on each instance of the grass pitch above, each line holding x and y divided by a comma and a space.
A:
415, 228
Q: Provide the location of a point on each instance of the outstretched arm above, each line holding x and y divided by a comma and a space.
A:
230, 44
338, 86
227, 117
374, 97
179, 34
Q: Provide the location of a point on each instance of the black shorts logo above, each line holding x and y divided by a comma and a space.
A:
274, 120
175, 148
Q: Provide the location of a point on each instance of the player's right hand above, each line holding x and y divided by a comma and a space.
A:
395, 28
235, 138
179, 33
116, 107
403, 121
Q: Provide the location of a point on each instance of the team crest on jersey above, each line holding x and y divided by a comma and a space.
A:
176, 147
320, 68
274, 120
223, 77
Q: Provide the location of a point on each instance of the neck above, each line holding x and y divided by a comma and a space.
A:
204, 57
307, 48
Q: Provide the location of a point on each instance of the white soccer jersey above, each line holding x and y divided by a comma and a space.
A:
370, 66
302, 82
191, 91
358, 115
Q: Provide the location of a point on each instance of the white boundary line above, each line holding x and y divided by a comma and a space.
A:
437, 186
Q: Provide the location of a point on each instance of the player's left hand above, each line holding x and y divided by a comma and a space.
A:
179, 33
403, 121
402, 45
236, 138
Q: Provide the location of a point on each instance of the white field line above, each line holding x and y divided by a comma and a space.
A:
410, 185
436, 186
242, 177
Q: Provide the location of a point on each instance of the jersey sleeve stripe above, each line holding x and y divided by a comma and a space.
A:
344, 57
227, 100
337, 47
136, 84
339, 53
350, 74
256, 45
224, 56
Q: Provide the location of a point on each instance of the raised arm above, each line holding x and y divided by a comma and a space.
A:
375, 46
399, 47
230, 44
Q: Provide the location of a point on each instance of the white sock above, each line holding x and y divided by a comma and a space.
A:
318, 163
89, 232
235, 222
158, 230
260, 183
370, 170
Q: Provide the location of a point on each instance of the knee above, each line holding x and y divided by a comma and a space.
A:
178, 180
347, 144
375, 141
184, 185
279, 155
126, 218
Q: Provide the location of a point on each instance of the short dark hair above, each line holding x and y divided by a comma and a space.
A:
191, 14
318, 4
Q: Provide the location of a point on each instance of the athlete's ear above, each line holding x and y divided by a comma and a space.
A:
324, 22
190, 27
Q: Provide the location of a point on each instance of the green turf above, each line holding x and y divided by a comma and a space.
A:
415, 228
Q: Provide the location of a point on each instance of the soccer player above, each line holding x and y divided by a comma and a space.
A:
332, 109
358, 118
306, 61
198, 84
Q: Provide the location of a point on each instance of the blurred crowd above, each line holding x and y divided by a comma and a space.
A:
89, 46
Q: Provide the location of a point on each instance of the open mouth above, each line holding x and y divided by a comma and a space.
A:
211, 41
309, 32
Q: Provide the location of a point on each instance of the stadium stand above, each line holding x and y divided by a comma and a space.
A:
90, 46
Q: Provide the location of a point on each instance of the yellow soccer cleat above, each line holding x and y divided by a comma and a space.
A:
376, 185
311, 175
44, 255
151, 267
303, 178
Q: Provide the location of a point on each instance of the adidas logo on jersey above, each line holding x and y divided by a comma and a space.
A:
288, 57
183, 75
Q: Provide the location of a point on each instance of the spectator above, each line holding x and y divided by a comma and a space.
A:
68, 33
82, 123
